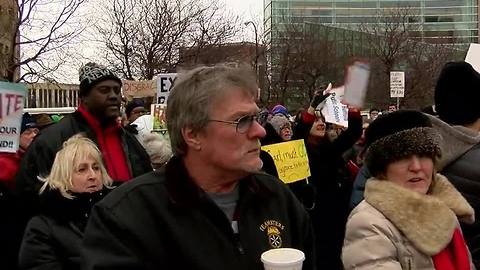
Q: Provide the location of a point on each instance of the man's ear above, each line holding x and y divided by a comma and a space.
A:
191, 138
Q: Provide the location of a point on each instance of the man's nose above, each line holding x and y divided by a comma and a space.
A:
256, 131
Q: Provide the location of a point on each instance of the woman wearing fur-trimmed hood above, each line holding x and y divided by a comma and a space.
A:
410, 216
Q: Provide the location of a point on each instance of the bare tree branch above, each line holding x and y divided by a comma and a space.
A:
40, 35
144, 37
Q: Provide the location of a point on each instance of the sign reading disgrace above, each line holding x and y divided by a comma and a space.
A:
11, 109
138, 89
291, 160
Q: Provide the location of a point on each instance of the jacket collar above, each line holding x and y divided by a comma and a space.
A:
428, 221
93, 121
77, 209
184, 192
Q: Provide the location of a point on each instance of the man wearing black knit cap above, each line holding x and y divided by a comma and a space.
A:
457, 96
100, 97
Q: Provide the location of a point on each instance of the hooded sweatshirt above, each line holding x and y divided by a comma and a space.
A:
460, 164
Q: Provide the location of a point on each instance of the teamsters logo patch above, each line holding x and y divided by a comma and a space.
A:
274, 230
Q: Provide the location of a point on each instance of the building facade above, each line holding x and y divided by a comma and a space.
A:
436, 21
51, 95
347, 29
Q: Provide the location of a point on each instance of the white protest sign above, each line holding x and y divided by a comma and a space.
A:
473, 56
397, 84
356, 84
11, 110
334, 111
164, 84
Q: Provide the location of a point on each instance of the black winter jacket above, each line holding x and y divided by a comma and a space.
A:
333, 187
40, 155
53, 239
164, 221
10, 228
304, 192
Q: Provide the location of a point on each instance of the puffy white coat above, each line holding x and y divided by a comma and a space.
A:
395, 228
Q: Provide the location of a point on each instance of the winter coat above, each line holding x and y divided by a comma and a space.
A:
10, 163
10, 222
53, 239
40, 156
333, 187
359, 186
268, 164
304, 191
396, 228
162, 220
460, 164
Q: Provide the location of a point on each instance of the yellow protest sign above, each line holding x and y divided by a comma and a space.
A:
290, 159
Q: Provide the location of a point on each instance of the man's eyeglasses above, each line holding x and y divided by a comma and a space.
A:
245, 122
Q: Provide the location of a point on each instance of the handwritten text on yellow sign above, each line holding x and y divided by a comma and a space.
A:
290, 159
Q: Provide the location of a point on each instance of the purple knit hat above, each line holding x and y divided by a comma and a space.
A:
280, 109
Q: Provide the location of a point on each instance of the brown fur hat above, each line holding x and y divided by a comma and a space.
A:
413, 139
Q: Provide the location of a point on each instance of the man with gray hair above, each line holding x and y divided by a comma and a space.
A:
209, 207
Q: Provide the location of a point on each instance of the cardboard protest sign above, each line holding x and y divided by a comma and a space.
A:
159, 113
334, 111
164, 84
473, 56
139, 89
11, 110
356, 84
291, 160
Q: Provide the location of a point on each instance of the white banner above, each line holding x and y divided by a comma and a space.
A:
356, 84
473, 56
11, 109
334, 111
164, 84
397, 84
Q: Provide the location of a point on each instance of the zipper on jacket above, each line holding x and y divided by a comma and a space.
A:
238, 244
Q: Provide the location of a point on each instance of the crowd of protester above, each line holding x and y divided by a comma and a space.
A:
100, 189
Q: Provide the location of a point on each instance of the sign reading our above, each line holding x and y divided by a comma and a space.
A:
397, 84
11, 110
290, 159
164, 85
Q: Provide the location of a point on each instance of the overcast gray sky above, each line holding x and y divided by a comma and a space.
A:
248, 8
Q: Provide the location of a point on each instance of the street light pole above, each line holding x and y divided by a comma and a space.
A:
256, 44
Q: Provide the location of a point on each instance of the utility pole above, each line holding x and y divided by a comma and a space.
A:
256, 44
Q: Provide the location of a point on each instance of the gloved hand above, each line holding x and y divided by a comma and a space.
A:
320, 96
